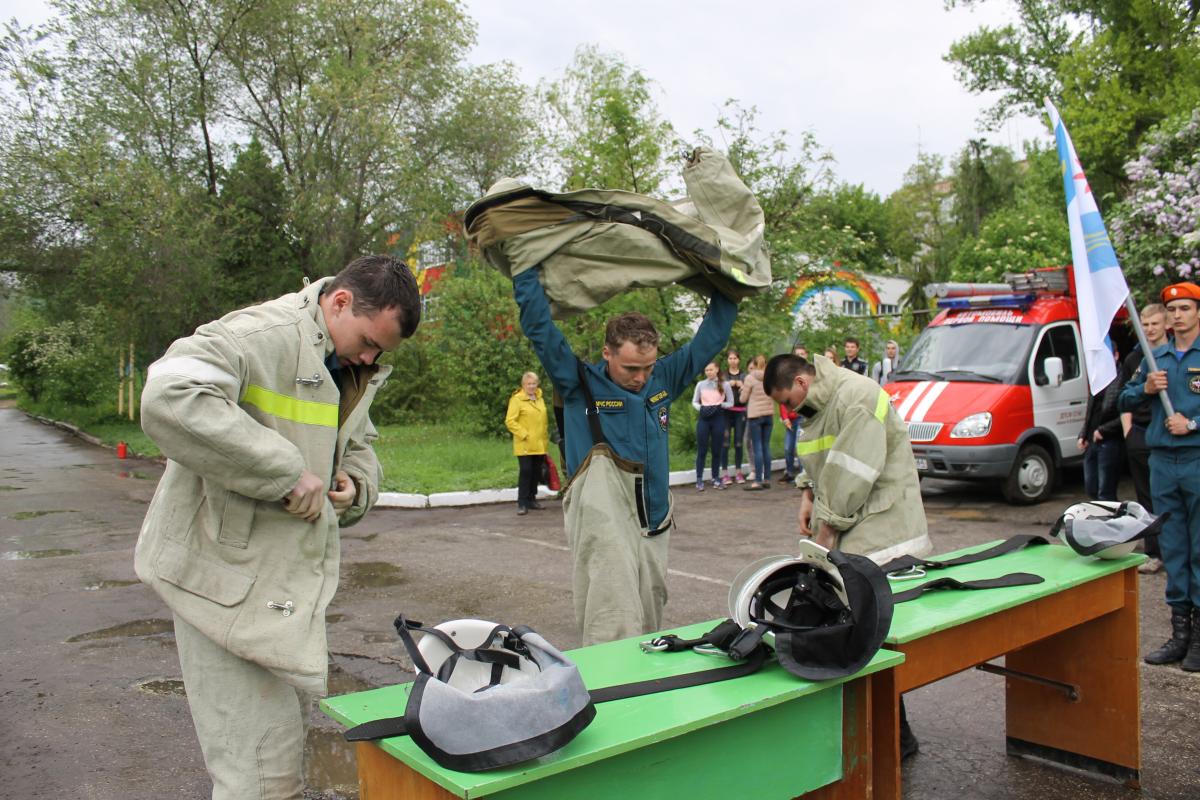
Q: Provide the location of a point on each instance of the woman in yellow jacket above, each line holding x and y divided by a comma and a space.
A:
526, 418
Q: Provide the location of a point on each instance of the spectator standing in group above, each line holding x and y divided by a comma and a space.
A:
760, 415
1100, 442
1133, 423
882, 370
1175, 468
711, 399
831, 354
852, 361
526, 419
735, 420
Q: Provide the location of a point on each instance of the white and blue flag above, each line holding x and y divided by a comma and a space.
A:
1100, 287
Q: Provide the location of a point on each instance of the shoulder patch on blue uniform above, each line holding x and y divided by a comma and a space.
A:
1194, 384
660, 396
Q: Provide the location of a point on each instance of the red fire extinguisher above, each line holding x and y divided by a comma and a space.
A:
122, 450
552, 482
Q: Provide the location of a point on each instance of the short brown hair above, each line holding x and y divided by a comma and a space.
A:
631, 326
381, 282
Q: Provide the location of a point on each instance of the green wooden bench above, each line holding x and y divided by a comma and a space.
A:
703, 741
1071, 658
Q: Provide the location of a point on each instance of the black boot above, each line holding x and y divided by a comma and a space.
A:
1191, 662
1176, 647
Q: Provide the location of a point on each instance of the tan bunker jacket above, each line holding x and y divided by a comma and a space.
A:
240, 408
859, 462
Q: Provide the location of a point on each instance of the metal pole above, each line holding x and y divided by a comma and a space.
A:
1141, 337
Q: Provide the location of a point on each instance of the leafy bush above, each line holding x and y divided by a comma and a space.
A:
1155, 228
71, 362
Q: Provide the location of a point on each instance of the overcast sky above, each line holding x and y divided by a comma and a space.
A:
865, 76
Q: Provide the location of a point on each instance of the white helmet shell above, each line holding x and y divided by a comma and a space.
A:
748, 580
471, 634
1098, 510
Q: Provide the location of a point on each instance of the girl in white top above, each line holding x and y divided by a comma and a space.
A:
711, 398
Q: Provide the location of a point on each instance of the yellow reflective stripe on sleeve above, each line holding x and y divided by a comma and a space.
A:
815, 446
278, 405
881, 405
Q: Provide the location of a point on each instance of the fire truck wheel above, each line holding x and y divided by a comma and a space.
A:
1032, 477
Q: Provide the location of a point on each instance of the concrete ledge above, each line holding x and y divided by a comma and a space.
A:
481, 497
455, 499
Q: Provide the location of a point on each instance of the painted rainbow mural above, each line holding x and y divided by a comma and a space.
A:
837, 281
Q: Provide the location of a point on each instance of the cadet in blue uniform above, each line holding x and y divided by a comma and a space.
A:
1174, 444
618, 526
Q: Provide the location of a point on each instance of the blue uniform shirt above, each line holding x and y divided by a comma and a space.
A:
1183, 387
635, 424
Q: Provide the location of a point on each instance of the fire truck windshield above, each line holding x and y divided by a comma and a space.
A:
992, 353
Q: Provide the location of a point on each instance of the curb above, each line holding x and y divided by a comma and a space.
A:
482, 497
478, 497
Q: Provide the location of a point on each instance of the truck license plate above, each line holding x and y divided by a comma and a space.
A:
922, 464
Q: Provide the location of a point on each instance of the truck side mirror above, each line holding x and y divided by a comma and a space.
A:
1054, 370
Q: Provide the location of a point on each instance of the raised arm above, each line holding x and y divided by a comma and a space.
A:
547, 340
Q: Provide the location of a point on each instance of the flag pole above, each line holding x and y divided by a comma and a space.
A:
1134, 317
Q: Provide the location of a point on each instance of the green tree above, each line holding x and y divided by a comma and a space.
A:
1115, 68
258, 254
1027, 232
924, 236
605, 127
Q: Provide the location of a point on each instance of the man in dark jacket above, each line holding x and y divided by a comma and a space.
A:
1134, 423
852, 361
1100, 441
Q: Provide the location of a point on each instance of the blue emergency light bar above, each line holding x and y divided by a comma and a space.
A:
988, 301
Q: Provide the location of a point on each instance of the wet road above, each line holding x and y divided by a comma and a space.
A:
91, 704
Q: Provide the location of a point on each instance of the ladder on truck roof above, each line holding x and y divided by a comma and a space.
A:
1048, 280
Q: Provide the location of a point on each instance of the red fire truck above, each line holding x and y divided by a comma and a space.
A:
995, 388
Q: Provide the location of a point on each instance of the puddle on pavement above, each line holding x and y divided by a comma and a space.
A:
161, 686
380, 638
98, 585
371, 575
332, 618
21, 555
35, 514
329, 764
342, 682
128, 630
11, 488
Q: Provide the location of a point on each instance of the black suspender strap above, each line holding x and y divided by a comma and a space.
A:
752, 664
903, 564
1012, 579
590, 411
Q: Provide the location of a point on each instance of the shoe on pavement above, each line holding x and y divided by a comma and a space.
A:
787, 478
535, 505
740, 478
1175, 648
726, 480
699, 486
754, 486
522, 511
1150, 566
716, 484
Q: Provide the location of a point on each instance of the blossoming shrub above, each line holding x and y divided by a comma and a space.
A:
1155, 228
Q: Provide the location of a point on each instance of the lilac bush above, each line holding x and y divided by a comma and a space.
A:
1156, 227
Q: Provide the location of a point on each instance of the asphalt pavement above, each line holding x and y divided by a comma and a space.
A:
93, 706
